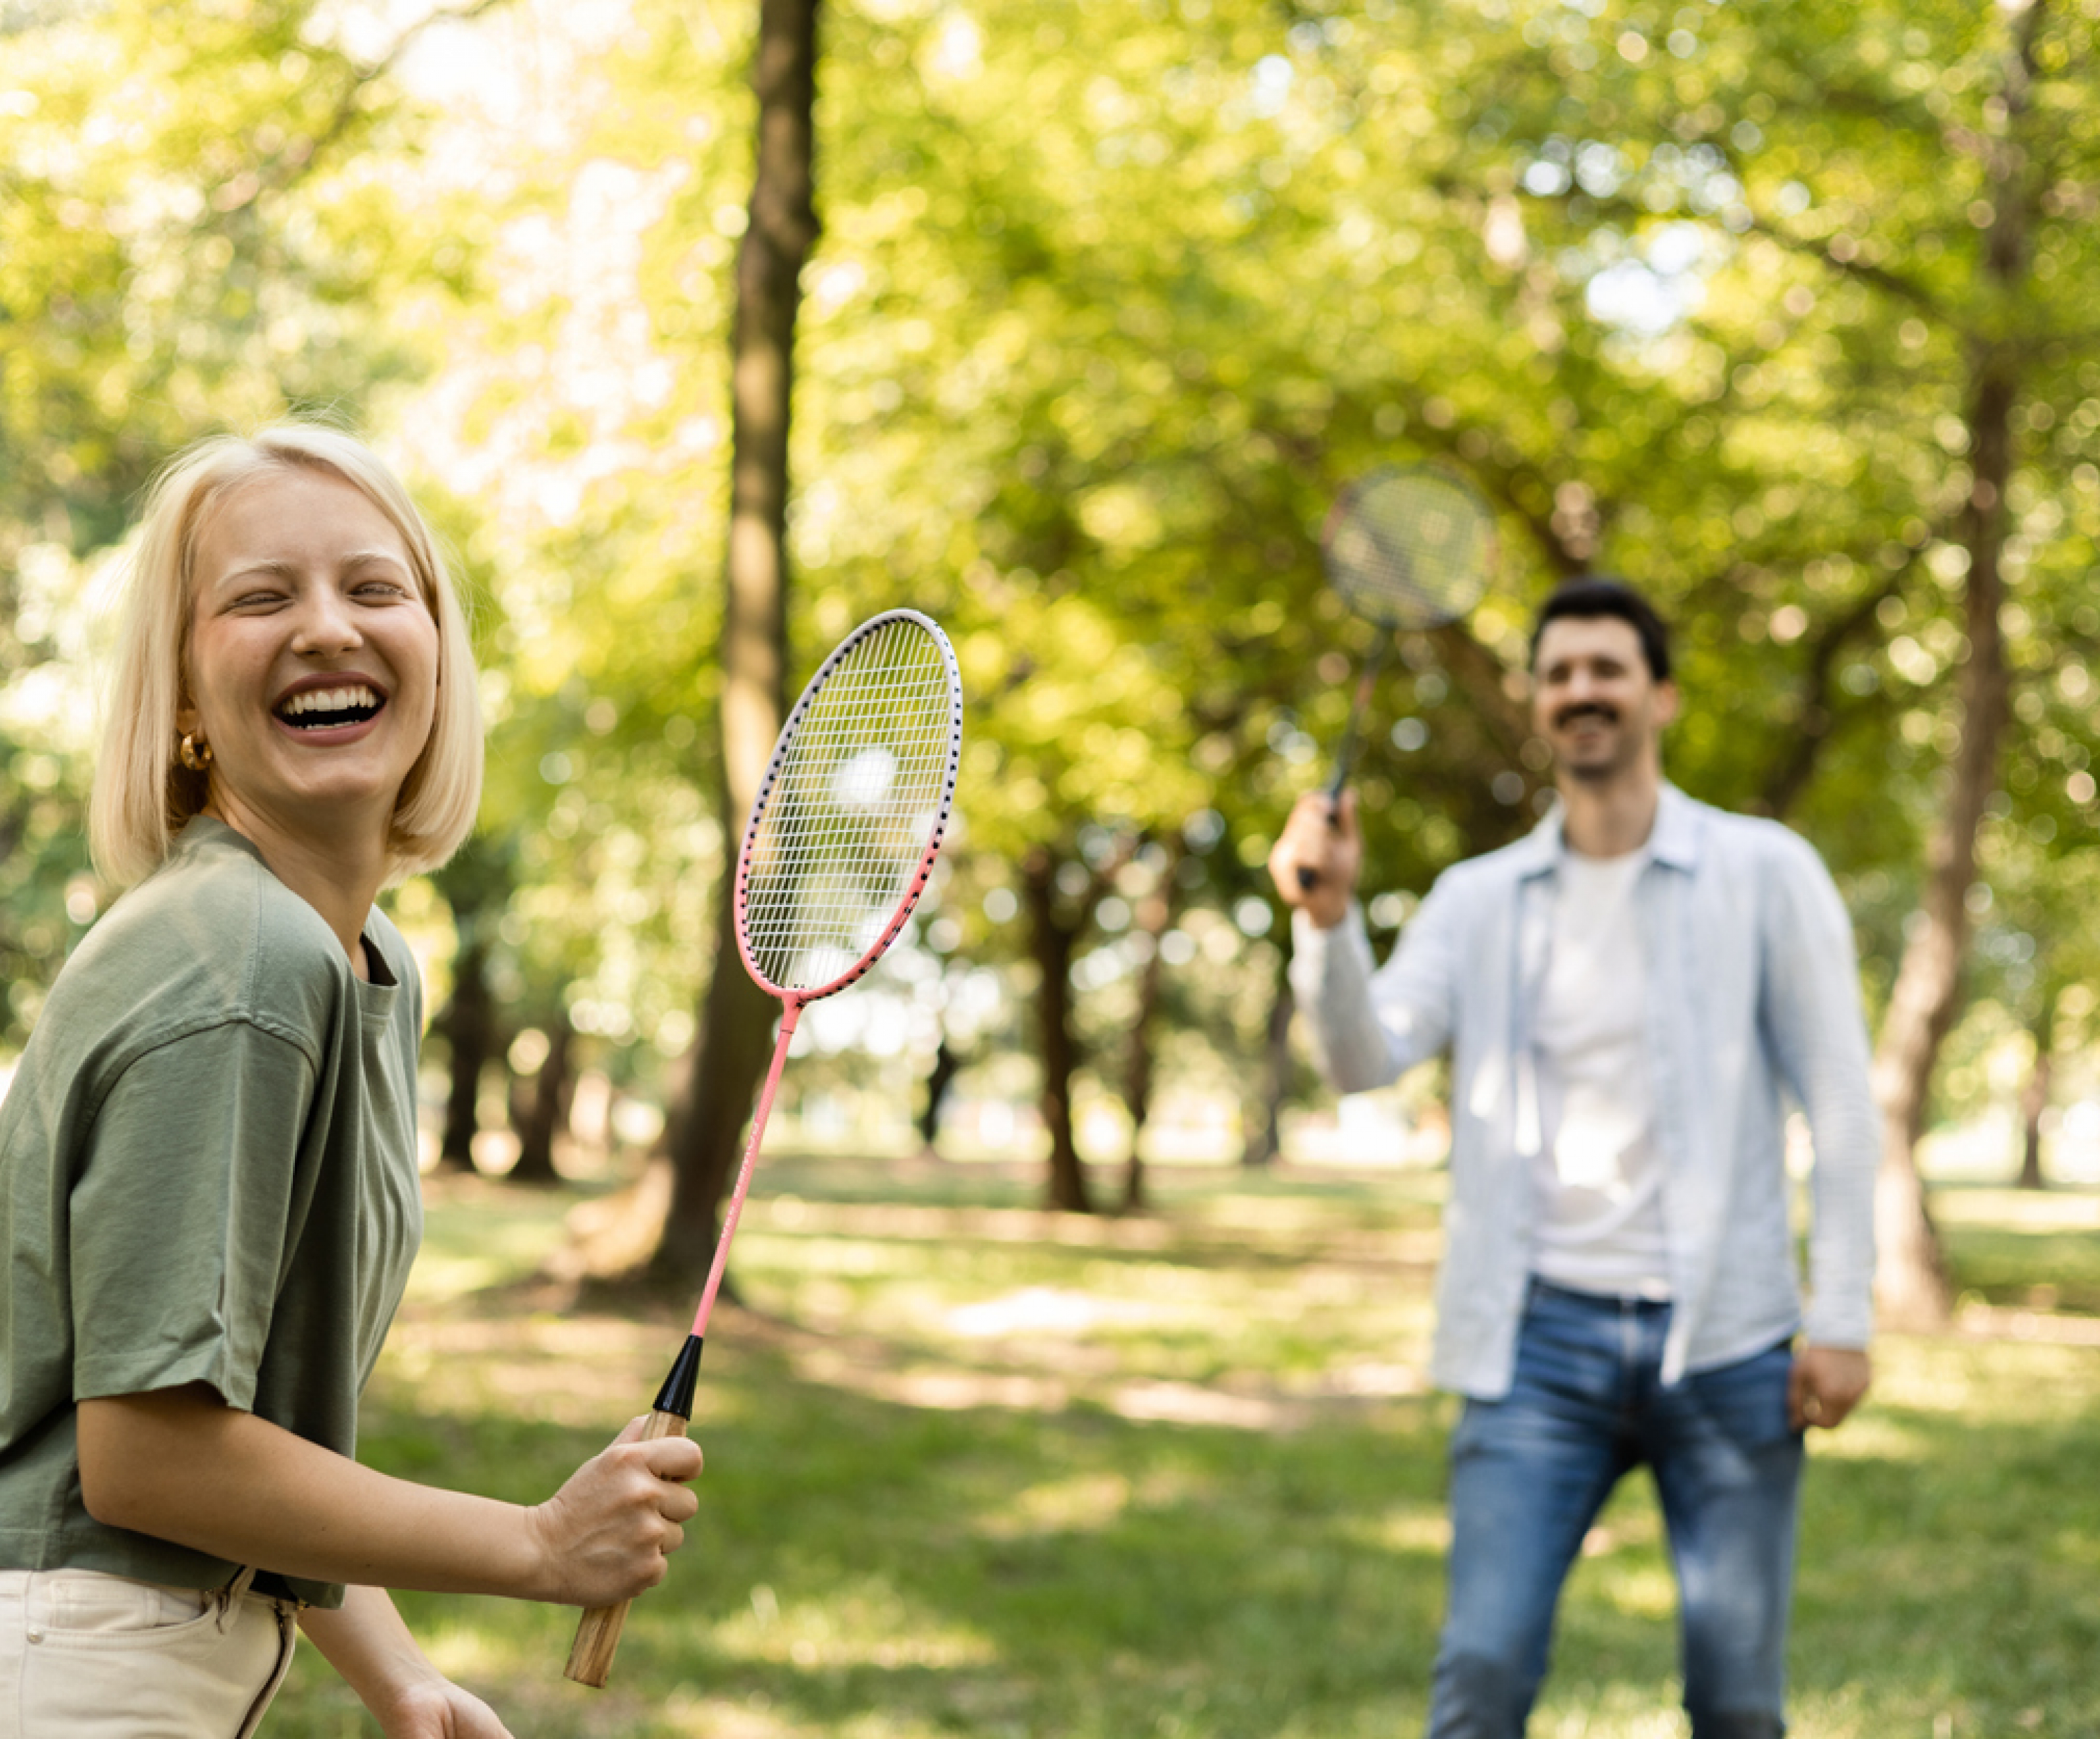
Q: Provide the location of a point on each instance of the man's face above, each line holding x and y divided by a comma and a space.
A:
1592, 698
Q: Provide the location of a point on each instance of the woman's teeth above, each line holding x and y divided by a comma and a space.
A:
317, 707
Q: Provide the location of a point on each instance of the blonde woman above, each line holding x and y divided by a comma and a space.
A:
207, 1177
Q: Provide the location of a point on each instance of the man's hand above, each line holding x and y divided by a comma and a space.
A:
1826, 1385
604, 1534
1320, 844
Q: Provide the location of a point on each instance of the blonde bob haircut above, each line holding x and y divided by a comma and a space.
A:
143, 795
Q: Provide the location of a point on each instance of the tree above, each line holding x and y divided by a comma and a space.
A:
1912, 1281
183, 247
1159, 899
781, 228
476, 886
542, 1112
1098, 324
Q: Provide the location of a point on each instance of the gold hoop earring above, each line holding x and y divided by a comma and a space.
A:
195, 755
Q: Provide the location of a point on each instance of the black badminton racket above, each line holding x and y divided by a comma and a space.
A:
1407, 548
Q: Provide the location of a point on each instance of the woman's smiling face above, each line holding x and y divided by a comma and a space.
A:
312, 665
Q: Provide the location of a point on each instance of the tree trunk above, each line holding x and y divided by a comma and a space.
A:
1155, 916
547, 1108
476, 885
2034, 1097
1912, 1284
948, 1065
2034, 1100
1812, 717
736, 1017
1264, 1116
1052, 942
469, 1030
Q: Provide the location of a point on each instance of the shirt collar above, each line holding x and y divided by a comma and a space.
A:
1673, 841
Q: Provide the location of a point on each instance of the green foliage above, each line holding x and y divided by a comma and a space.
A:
577, 431
191, 237
1104, 311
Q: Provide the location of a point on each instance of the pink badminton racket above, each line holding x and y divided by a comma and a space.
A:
840, 842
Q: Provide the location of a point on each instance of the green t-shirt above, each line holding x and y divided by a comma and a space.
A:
207, 1174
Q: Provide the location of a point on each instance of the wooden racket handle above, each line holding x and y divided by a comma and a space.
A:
598, 1635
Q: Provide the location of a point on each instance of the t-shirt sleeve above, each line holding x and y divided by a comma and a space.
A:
180, 1215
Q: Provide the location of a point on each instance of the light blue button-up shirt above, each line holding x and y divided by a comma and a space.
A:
1753, 1002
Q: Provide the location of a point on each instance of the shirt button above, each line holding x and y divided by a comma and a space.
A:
36, 1636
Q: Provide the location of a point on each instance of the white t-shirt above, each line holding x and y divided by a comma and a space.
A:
1598, 1226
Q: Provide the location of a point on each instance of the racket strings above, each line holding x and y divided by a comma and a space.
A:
861, 785
1409, 550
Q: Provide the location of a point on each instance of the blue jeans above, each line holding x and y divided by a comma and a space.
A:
1529, 1473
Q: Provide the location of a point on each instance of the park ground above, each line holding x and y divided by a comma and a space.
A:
974, 1469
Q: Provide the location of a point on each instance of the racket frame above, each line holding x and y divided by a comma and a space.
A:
1355, 589
782, 748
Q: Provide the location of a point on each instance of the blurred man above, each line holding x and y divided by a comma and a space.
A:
1629, 995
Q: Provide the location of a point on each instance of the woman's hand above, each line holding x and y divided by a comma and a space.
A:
365, 1640
603, 1536
438, 1709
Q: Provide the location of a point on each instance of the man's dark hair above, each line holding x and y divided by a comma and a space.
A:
1595, 595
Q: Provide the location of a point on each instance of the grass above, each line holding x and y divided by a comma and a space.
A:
976, 1470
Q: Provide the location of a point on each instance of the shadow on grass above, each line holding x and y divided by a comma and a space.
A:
1961, 1587
866, 1567
912, 1571
2056, 1271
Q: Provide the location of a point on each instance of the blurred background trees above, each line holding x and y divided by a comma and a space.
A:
1781, 311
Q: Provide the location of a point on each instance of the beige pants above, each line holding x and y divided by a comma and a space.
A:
86, 1656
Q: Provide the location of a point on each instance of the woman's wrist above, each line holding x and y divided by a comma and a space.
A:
366, 1641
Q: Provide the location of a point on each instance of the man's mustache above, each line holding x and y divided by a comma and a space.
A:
1596, 710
